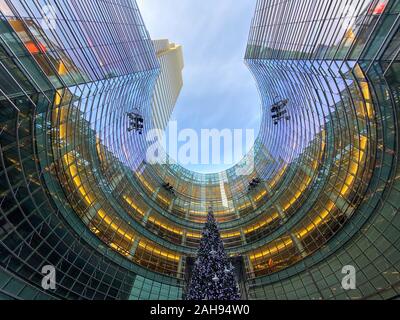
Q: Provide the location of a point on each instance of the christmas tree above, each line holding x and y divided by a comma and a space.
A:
213, 275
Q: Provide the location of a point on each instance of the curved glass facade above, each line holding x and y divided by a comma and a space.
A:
337, 66
77, 192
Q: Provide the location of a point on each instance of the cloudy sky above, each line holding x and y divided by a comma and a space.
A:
219, 91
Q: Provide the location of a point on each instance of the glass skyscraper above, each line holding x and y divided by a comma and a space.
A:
321, 187
169, 82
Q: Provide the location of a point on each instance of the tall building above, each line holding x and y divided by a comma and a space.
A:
169, 83
333, 67
76, 194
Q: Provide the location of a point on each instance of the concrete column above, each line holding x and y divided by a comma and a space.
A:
183, 238
146, 216
249, 264
134, 246
298, 245
281, 213
155, 194
171, 205
242, 236
180, 265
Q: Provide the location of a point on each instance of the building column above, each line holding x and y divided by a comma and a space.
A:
237, 212
171, 205
281, 213
298, 245
249, 265
243, 236
134, 246
183, 238
146, 216
180, 265
155, 194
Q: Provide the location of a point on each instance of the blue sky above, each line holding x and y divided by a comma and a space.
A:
219, 91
